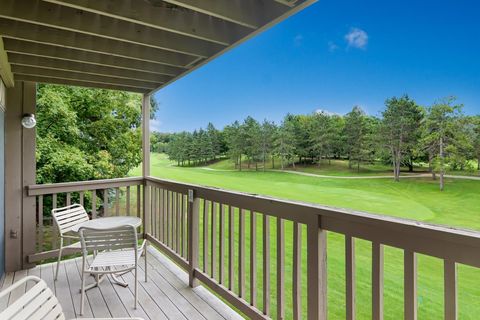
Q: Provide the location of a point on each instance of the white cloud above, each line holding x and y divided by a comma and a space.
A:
357, 38
298, 40
155, 125
328, 113
332, 46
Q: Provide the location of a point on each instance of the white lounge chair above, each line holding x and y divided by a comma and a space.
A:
65, 218
38, 303
117, 252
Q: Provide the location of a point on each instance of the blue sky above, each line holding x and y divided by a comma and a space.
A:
333, 55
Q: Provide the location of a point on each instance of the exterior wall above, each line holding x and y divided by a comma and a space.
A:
2, 180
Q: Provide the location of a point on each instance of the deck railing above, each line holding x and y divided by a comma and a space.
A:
100, 198
237, 245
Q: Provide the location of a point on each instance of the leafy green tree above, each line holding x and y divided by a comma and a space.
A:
85, 134
476, 140
284, 143
400, 124
235, 141
251, 133
298, 126
215, 140
267, 139
321, 135
357, 136
444, 135
159, 141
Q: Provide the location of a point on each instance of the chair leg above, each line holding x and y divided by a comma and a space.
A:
59, 259
82, 294
136, 287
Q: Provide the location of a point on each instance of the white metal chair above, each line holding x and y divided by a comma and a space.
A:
65, 218
37, 303
117, 252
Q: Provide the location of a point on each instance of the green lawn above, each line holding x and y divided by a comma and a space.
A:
412, 198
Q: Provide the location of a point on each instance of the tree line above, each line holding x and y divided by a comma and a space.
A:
405, 133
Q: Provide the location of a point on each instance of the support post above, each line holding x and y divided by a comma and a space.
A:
193, 211
20, 167
146, 161
146, 135
316, 271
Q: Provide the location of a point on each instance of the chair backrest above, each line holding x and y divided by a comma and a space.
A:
67, 217
123, 237
37, 303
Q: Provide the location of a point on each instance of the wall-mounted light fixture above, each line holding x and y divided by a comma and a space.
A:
28, 120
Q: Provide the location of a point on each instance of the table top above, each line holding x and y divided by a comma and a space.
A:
108, 222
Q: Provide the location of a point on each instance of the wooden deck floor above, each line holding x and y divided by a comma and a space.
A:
165, 296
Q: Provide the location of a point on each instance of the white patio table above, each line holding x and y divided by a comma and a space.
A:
106, 223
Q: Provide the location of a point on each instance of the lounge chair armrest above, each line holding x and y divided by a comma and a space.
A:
18, 284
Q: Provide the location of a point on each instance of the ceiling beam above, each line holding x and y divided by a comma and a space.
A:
290, 3
62, 74
33, 61
67, 82
65, 18
36, 33
183, 22
249, 13
67, 54
5, 69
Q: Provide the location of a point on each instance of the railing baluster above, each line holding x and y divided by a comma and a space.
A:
173, 245
40, 223
222, 244
165, 216
178, 211
184, 226
377, 281
105, 202
410, 284
117, 201
297, 271
168, 223
450, 289
214, 240
139, 201
205, 236
94, 204
316, 270
266, 265
54, 228
127, 205
280, 268
147, 198
68, 199
153, 211
231, 248
161, 213
253, 258
350, 277
193, 225
241, 254
81, 195
157, 213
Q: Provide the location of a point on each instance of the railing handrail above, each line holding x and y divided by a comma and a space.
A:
50, 188
457, 244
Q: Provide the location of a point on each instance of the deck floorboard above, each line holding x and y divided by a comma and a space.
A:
166, 295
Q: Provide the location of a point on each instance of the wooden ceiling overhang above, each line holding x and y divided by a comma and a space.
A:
131, 45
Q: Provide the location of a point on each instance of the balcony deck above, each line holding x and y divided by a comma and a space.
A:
165, 296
